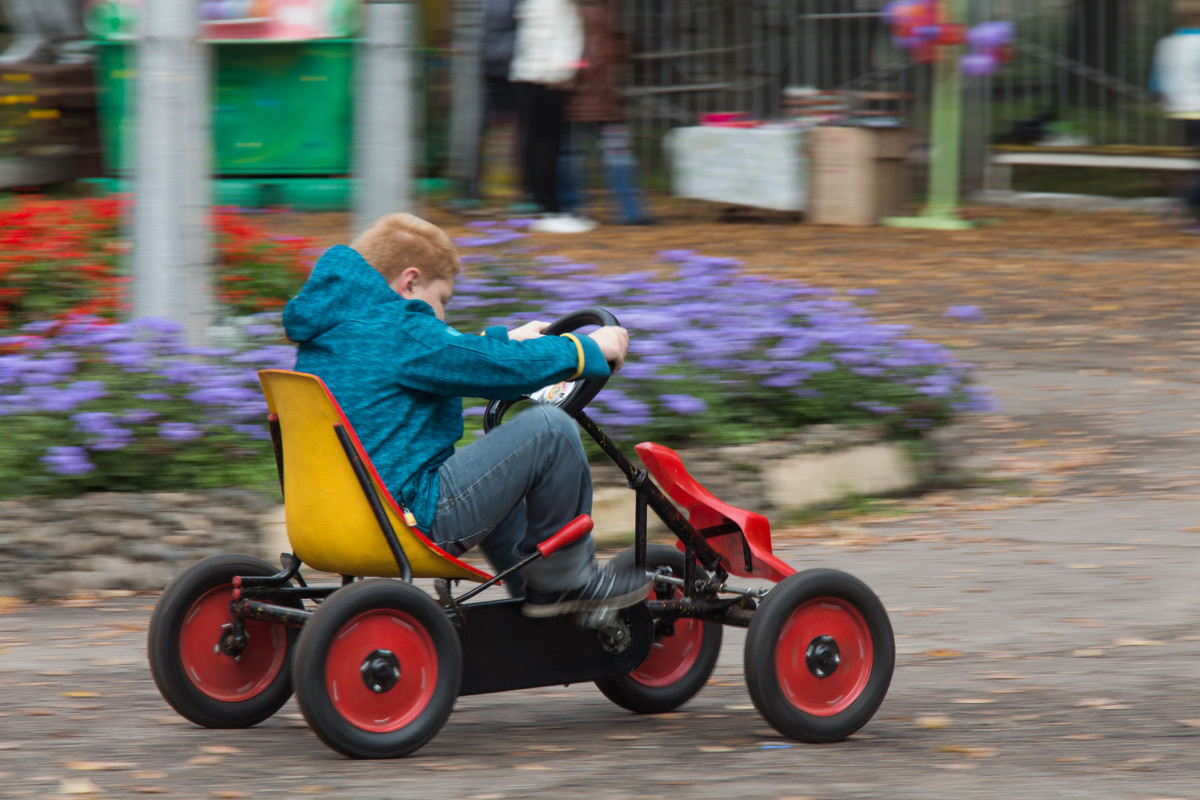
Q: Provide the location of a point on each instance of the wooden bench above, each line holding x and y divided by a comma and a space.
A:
1003, 158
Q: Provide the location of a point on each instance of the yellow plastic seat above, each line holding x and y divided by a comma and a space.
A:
330, 522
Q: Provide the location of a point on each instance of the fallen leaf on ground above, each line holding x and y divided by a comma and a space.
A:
77, 786
970, 752
932, 723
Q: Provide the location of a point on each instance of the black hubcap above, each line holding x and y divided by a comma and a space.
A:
822, 656
381, 671
233, 641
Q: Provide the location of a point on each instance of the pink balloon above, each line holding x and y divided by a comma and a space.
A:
977, 64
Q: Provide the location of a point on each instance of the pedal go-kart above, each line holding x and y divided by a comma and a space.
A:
377, 663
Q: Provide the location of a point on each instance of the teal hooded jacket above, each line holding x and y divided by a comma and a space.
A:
400, 373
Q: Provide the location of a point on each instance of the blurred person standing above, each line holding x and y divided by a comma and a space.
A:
1175, 77
43, 30
546, 59
497, 132
596, 114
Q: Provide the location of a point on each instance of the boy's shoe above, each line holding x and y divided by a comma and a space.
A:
605, 588
562, 223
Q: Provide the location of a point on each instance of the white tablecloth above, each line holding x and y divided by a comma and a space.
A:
761, 167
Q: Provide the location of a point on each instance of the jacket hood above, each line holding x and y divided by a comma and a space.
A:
342, 286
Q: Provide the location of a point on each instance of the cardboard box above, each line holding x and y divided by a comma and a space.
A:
858, 175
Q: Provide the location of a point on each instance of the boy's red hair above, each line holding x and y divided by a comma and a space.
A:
398, 241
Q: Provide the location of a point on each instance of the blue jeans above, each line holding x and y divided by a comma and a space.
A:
620, 168
513, 489
1191, 130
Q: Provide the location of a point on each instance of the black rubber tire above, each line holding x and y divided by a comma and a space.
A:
634, 691
175, 621
355, 620
801, 609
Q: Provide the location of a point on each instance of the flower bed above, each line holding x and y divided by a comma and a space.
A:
60, 258
87, 405
717, 357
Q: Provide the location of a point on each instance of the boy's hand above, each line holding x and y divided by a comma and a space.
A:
614, 343
530, 330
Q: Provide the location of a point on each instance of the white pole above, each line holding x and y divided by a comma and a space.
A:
384, 119
172, 243
466, 101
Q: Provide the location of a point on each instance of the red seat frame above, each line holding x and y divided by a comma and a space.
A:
745, 552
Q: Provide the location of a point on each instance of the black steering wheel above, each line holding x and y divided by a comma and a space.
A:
570, 396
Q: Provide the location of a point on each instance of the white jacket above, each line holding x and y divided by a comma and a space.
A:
1176, 73
549, 42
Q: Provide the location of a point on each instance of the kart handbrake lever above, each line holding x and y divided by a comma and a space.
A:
570, 533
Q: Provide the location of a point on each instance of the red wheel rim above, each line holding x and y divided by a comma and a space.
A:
403, 636
823, 619
219, 674
671, 657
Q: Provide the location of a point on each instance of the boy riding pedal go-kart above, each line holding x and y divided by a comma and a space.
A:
375, 491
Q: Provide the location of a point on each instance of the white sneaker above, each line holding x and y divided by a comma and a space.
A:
562, 223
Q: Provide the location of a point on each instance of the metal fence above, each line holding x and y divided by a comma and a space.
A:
1080, 70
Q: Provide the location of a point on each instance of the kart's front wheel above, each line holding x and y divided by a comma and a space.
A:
206, 673
377, 670
682, 657
819, 655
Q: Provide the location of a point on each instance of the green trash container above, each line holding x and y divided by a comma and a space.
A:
279, 108
282, 110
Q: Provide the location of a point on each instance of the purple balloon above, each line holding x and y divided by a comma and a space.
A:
978, 64
991, 35
927, 33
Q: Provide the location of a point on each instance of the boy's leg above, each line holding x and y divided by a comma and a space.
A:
520, 483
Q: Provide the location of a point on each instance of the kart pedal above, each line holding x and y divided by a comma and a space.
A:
453, 609
611, 629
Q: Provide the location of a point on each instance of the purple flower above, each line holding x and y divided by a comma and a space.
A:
94, 423
684, 404
69, 460
964, 313
178, 431
138, 416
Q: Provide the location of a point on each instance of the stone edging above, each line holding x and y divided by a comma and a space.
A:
139, 542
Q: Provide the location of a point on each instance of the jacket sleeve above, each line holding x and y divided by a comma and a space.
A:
442, 361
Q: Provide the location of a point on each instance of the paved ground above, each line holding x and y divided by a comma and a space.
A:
1047, 617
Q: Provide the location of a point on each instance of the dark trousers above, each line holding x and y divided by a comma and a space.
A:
540, 129
1191, 131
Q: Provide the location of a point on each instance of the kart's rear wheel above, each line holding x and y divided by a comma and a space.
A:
377, 669
200, 670
682, 657
819, 655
